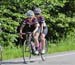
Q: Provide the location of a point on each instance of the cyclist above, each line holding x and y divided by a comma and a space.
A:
43, 27
30, 24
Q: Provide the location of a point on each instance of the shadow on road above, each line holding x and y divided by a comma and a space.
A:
12, 62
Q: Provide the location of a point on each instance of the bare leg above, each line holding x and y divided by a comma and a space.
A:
36, 42
43, 41
36, 39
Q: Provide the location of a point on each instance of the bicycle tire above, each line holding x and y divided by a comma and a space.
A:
26, 50
46, 47
43, 56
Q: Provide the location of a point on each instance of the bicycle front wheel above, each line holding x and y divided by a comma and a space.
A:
26, 51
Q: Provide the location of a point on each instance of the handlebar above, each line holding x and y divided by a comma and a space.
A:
26, 33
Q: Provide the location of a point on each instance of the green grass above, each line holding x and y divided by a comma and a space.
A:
10, 53
64, 45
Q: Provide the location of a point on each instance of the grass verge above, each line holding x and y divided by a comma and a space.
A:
16, 52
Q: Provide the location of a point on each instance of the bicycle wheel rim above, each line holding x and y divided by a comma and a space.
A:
46, 46
26, 51
23, 50
43, 56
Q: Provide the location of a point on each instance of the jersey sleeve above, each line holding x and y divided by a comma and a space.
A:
23, 23
42, 19
35, 20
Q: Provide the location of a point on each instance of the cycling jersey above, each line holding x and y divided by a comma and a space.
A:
30, 21
40, 21
30, 24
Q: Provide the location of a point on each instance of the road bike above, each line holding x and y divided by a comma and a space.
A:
29, 47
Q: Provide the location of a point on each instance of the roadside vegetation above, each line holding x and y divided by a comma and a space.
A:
60, 19
67, 44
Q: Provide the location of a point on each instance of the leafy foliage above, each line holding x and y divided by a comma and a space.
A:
59, 15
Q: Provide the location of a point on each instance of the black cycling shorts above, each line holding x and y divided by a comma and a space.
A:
45, 30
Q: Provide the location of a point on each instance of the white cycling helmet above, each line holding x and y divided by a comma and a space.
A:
30, 13
37, 11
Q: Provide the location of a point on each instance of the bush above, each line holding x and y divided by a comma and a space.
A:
59, 15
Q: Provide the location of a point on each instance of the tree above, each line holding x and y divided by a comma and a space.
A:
59, 15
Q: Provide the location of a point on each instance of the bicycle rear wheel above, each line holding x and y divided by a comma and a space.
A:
26, 51
46, 47
43, 56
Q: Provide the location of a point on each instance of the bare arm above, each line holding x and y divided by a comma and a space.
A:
21, 28
37, 26
41, 27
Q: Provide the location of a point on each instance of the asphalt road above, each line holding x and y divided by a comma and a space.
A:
64, 58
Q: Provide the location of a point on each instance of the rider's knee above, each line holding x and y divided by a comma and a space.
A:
42, 38
36, 37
